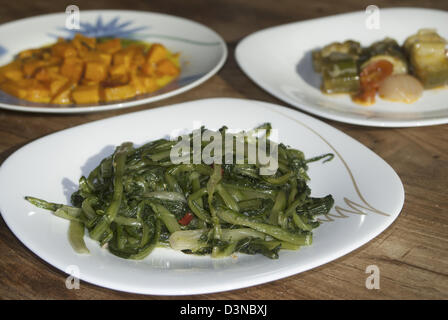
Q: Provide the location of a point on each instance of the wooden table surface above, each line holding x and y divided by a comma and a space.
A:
411, 254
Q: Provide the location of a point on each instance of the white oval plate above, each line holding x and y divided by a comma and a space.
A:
278, 59
368, 197
202, 51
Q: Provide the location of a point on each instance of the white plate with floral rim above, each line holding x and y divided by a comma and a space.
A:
368, 197
278, 59
202, 51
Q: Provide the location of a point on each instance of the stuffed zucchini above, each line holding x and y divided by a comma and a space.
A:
338, 64
428, 57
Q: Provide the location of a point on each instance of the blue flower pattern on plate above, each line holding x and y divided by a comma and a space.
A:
113, 28
2, 50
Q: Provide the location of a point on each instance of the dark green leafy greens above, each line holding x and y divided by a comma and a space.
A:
137, 199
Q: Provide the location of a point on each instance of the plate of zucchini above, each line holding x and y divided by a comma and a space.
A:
391, 75
112, 59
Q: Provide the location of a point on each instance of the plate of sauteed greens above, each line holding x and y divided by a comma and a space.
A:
250, 193
111, 59
392, 73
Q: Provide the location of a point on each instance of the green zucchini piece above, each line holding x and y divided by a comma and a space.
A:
349, 47
428, 57
340, 74
387, 49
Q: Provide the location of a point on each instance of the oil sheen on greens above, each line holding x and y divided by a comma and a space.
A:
137, 200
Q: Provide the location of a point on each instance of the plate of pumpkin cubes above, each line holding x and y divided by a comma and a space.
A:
86, 70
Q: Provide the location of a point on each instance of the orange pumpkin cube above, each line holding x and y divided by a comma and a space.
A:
119, 92
64, 50
123, 57
57, 84
138, 84
81, 40
16, 88
167, 68
38, 93
86, 94
46, 73
12, 73
110, 46
106, 58
148, 69
156, 53
95, 71
138, 59
150, 84
42, 75
30, 67
72, 68
143, 84
64, 94
29, 89
118, 70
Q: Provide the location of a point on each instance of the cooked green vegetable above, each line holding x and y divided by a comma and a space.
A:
428, 56
76, 237
347, 48
387, 49
139, 198
340, 74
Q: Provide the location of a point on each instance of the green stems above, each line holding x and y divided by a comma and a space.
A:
167, 217
228, 200
137, 199
76, 237
119, 165
236, 218
119, 161
43, 204
198, 210
279, 206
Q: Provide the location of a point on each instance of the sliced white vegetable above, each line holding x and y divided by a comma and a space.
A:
401, 88
166, 195
187, 240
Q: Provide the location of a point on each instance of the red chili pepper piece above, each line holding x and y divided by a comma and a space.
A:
186, 219
222, 169
370, 78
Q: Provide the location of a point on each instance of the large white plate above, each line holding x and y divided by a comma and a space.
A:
278, 59
368, 197
202, 51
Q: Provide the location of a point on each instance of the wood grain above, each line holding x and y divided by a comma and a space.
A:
411, 254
